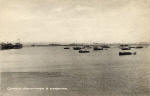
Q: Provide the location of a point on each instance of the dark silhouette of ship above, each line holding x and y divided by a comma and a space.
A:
77, 48
126, 48
5, 46
97, 48
127, 53
84, 51
139, 47
66, 48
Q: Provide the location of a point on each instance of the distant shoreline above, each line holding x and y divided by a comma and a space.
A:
46, 45
78, 44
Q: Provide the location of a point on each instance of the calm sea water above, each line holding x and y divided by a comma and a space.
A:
98, 73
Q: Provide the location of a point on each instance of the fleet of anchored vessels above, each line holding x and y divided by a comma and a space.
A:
125, 48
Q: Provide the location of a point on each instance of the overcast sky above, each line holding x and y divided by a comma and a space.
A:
75, 20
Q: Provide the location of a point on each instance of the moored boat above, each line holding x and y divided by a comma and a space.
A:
66, 48
139, 47
132, 47
76, 48
127, 53
124, 45
125, 48
97, 48
84, 51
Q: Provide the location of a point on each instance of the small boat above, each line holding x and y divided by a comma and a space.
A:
124, 45
66, 48
125, 48
139, 47
33, 45
132, 47
97, 48
76, 48
84, 51
127, 53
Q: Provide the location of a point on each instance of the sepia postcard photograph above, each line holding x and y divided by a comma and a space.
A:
74, 47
